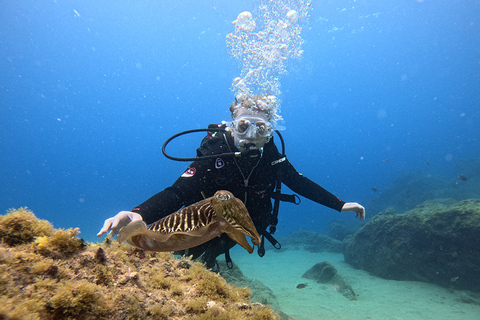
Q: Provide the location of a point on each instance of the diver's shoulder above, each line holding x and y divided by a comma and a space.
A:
215, 141
271, 148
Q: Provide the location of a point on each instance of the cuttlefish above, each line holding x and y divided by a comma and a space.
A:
194, 225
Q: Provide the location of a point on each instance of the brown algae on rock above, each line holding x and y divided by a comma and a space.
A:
21, 226
48, 273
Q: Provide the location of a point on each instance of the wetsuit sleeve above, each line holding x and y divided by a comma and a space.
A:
307, 188
185, 191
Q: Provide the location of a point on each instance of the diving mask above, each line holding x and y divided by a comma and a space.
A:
252, 126
251, 132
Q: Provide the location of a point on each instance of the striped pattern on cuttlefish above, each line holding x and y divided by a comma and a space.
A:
194, 225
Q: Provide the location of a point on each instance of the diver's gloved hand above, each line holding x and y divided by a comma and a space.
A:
355, 207
118, 222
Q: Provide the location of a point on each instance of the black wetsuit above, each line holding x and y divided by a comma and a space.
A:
252, 180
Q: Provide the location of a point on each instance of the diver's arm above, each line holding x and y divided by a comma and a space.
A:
307, 188
185, 191
310, 190
159, 205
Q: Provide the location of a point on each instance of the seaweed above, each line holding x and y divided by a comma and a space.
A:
21, 226
60, 243
48, 273
78, 298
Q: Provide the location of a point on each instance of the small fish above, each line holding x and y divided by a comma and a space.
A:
427, 163
463, 178
386, 159
374, 189
453, 279
302, 285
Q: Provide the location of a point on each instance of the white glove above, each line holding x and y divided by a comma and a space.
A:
355, 207
118, 222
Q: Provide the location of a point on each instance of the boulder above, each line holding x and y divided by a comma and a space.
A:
435, 242
325, 272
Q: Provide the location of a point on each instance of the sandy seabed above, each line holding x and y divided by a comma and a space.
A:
377, 298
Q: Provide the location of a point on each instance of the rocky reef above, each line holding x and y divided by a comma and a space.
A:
436, 242
48, 273
260, 292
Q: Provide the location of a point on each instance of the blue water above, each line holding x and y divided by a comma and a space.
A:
90, 90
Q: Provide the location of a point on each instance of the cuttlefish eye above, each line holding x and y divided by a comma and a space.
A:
223, 196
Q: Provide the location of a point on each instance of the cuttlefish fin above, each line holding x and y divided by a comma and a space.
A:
139, 229
132, 229
137, 234
238, 236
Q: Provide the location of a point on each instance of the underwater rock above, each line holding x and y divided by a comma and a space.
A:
338, 230
388, 212
260, 292
55, 275
325, 272
310, 241
434, 242
322, 272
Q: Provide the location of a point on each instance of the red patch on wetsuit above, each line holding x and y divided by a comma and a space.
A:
190, 172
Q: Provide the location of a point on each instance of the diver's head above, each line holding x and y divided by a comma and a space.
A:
252, 126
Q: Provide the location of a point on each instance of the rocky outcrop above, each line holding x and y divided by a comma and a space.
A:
48, 273
260, 292
434, 242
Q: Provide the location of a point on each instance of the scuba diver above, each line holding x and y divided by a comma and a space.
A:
255, 177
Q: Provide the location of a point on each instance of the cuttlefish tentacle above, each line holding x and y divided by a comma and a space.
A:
194, 225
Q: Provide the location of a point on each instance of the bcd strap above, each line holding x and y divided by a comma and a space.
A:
228, 260
292, 198
261, 248
271, 239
